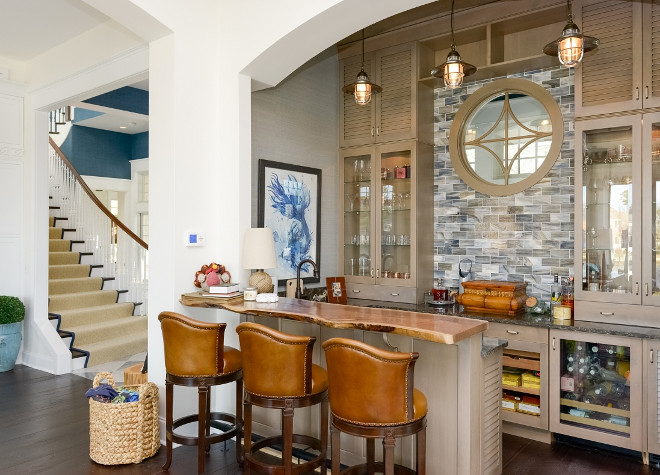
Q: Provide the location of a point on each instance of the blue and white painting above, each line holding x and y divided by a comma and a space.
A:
290, 210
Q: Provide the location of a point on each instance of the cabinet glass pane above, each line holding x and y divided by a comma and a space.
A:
395, 215
595, 386
655, 210
607, 193
357, 216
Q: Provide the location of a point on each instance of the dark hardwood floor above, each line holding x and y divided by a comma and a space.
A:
44, 429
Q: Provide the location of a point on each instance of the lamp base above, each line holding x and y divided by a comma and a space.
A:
261, 281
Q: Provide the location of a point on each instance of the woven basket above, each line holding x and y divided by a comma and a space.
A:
126, 432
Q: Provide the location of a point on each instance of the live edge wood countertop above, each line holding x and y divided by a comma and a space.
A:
438, 328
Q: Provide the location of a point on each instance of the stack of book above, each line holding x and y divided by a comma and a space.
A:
223, 291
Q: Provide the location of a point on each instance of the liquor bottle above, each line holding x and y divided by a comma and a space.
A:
555, 294
610, 389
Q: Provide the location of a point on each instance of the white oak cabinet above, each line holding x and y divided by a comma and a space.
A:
526, 352
400, 111
617, 179
386, 221
596, 388
619, 75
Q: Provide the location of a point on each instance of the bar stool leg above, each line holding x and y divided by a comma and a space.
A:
169, 400
203, 394
247, 433
207, 449
336, 450
388, 456
371, 456
287, 433
239, 421
325, 410
421, 451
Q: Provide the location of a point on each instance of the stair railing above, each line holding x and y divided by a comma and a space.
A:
113, 244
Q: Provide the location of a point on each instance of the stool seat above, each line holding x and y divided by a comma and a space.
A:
195, 356
279, 374
372, 395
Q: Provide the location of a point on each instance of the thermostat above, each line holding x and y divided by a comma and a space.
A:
195, 238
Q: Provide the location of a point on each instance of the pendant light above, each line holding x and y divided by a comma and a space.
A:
454, 69
571, 45
362, 89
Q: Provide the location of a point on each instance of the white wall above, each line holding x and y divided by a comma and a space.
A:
296, 122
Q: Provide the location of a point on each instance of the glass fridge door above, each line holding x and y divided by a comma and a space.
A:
607, 212
357, 217
396, 203
595, 386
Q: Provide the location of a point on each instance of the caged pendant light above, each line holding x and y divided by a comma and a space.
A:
454, 69
571, 45
362, 89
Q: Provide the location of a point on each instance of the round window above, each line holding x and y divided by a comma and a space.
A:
506, 137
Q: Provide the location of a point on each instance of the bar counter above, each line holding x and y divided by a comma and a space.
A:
458, 370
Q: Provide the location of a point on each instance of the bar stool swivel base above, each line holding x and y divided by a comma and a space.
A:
287, 439
389, 434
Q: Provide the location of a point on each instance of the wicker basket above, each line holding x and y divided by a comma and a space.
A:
126, 432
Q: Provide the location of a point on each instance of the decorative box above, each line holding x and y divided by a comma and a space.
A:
531, 381
511, 379
492, 296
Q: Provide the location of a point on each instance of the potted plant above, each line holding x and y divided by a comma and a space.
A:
12, 313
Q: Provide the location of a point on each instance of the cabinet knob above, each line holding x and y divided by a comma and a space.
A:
607, 314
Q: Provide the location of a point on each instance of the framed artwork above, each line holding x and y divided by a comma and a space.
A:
336, 287
290, 204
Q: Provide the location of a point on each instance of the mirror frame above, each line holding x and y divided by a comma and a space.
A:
480, 97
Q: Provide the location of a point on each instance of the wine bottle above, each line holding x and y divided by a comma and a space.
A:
555, 294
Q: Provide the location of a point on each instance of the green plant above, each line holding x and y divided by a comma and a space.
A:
12, 310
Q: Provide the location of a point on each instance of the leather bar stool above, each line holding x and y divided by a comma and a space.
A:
372, 395
278, 374
195, 355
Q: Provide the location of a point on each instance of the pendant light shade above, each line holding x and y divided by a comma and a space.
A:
362, 89
454, 69
571, 45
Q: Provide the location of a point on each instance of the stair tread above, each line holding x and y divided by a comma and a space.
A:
96, 309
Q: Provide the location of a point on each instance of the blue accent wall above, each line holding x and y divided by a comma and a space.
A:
140, 146
125, 98
102, 153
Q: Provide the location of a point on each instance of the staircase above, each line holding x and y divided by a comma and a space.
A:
96, 323
96, 273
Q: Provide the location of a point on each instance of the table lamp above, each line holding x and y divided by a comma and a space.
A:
259, 253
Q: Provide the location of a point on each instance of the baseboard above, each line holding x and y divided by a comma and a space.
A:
49, 364
533, 433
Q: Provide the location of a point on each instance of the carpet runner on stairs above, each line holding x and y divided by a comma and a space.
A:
96, 321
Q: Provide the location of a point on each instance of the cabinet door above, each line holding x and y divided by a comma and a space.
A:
651, 49
608, 211
357, 219
610, 79
652, 352
357, 123
395, 263
651, 210
596, 387
396, 105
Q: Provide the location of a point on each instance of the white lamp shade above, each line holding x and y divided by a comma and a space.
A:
259, 249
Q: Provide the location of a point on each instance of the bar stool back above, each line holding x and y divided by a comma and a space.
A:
372, 395
195, 355
279, 374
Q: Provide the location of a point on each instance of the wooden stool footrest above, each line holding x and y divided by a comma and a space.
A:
218, 421
276, 442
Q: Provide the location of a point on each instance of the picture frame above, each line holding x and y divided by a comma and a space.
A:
289, 202
336, 287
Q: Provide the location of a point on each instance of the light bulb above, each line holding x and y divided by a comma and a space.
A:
570, 50
453, 74
362, 93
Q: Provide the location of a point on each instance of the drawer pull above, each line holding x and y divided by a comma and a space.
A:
646, 289
553, 343
607, 314
512, 332
356, 291
651, 356
636, 94
394, 294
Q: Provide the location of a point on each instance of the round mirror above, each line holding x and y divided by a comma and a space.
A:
506, 136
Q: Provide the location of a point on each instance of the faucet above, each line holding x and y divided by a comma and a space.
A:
316, 275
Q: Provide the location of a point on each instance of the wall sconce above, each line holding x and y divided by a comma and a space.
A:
571, 45
454, 69
362, 89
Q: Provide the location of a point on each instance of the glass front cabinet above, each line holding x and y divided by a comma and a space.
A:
617, 182
596, 387
387, 221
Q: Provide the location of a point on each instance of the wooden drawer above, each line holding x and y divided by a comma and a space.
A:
388, 293
617, 313
508, 331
